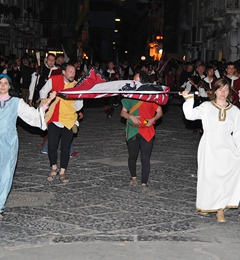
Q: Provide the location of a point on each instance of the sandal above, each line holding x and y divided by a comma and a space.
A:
52, 175
63, 178
220, 217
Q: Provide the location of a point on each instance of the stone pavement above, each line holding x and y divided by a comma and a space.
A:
98, 215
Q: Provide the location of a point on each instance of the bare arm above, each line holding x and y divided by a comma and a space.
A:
126, 115
158, 114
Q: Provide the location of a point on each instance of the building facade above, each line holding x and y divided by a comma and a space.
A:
213, 30
20, 26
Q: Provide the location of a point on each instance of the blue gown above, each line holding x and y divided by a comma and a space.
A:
9, 111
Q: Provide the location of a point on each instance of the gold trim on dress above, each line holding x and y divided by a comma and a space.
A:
215, 210
188, 97
222, 112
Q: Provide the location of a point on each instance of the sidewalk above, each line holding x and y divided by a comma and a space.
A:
160, 250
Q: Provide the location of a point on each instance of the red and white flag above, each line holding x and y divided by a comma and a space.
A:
95, 85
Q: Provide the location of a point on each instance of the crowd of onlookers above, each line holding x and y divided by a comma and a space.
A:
27, 76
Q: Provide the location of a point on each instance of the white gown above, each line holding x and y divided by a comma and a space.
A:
218, 185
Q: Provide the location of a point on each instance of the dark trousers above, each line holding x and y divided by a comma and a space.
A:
25, 94
108, 105
135, 144
54, 135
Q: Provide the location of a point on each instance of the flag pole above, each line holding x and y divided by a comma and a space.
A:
123, 92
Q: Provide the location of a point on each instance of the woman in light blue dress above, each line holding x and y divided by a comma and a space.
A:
10, 108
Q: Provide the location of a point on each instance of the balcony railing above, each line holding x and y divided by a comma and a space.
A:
215, 9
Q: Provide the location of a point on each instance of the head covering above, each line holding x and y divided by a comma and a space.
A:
7, 77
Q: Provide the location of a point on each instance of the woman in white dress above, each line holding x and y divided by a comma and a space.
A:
218, 184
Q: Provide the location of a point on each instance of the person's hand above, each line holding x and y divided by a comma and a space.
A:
80, 114
52, 95
150, 122
30, 102
135, 119
184, 93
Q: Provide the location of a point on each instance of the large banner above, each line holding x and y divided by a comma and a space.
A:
95, 85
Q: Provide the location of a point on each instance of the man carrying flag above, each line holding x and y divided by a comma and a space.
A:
141, 117
60, 119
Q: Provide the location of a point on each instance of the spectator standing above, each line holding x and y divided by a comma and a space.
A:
2, 65
40, 77
230, 73
186, 73
111, 74
125, 71
26, 73
15, 75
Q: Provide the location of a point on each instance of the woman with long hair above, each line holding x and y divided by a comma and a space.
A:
218, 184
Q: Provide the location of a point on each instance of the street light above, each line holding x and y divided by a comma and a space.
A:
117, 20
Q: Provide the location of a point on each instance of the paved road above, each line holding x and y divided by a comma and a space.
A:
98, 215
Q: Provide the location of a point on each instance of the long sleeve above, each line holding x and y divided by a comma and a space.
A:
46, 89
236, 129
32, 116
190, 112
78, 104
34, 82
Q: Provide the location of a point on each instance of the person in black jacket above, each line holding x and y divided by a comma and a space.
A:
26, 73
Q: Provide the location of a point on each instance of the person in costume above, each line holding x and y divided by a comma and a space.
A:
40, 77
10, 108
236, 92
60, 118
218, 184
111, 74
141, 117
230, 73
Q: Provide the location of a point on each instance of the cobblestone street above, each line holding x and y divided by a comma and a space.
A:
99, 205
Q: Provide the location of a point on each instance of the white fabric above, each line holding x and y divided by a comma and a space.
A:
33, 84
32, 116
218, 183
43, 93
202, 92
232, 79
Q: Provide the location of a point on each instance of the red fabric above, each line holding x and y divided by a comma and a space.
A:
57, 82
90, 80
55, 115
58, 71
57, 85
147, 111
236, 91
169, 80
